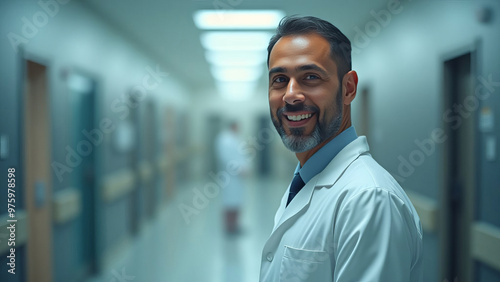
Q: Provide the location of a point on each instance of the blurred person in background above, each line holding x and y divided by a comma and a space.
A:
227, 149
343, 217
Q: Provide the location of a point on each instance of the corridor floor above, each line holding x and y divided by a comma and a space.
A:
170, 249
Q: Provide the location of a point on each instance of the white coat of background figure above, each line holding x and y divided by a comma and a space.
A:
230, 157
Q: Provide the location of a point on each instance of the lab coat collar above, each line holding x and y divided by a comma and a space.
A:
325, 178
339, 164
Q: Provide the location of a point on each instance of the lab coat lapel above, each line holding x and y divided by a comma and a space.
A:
326, 178
299, 202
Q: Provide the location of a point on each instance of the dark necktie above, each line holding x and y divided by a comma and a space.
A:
297, 184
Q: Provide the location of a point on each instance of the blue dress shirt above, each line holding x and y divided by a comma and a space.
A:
317, 162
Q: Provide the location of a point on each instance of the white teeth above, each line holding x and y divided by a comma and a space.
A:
299, 117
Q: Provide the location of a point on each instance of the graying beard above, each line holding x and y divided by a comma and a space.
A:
298, 143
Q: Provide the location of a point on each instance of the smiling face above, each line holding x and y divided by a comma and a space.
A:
305, 94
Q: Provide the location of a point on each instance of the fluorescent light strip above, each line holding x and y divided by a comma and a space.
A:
236, 58
241, 19
235, 41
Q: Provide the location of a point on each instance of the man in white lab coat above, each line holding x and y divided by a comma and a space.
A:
343, 217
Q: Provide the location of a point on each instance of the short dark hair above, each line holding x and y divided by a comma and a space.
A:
340, 46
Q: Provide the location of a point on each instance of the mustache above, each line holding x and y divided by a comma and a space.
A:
296, 108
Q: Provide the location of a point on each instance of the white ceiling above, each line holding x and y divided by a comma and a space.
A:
165, 28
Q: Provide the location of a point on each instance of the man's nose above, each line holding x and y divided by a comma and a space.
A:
294, 93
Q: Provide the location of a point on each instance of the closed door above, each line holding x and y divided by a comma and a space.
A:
264, 149
36, 170
364, 106
82, 103
214, 125
150, 154
460, 169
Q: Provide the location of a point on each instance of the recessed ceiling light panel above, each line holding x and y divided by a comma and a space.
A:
235, 41
236, 58
237, 19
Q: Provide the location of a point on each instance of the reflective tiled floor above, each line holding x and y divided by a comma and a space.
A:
169, 249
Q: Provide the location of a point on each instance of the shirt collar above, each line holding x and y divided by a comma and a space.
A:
317, 162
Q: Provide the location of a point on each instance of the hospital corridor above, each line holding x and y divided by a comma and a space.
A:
154, 141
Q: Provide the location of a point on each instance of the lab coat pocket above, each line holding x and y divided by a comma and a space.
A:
299, 265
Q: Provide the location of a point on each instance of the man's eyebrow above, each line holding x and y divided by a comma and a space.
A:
276, 70
312, 67
299, 68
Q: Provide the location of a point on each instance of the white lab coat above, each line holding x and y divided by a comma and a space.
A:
350, 222
229, 155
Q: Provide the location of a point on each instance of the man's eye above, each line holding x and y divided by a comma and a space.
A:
312, 76
279, 79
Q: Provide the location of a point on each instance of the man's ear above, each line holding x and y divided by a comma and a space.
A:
349, 87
